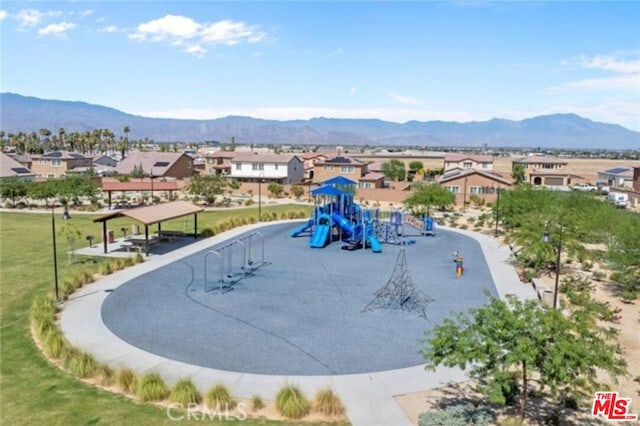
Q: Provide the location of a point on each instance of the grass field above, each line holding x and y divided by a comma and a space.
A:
32, 390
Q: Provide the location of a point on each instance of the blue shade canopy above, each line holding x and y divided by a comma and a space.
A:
328, 190
339, 180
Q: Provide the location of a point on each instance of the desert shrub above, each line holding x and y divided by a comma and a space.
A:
628, 295
253, 220
256, 403
126, 380
106, 374
128, 261
151, 387
53, 343
138, 258
82, 365
328, 403
106, 268
249, 202
118, 264
529, 275
185, 392
587, 266
599, 275
297, 191
291, 403
219, 396
458, 415
86, 277
464, 226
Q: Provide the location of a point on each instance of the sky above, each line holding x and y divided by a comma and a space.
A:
463, 60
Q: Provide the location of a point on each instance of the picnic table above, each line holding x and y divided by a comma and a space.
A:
138, 244
170, 235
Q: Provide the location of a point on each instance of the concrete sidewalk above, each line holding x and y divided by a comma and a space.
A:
367, 397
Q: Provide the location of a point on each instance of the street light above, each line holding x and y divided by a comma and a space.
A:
65, 216
495, 234
260, 180
547, 238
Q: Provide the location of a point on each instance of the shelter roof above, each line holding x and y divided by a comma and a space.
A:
329, 190
339, 180
148, 215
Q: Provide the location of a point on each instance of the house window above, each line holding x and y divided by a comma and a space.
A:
257, 166
42, 162
275, 166
56, 163
50, 175
238, 166
327, 168
347, 169
454, 189
479, 190
485, 165
366, 185
467, 164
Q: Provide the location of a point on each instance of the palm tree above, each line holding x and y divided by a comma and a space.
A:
126, 131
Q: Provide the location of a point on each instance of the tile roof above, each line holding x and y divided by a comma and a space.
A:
160, 162
10, 167
458, 173
478, 158
537, 159
61, 155
149, 215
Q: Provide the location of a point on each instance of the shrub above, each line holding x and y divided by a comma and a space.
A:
256, 403
249, 202
328, 403
458, 415
219, 396
127, 380
291, 403
629, 295
184, 392
138, 258
82, 365
598, 275
42, 308
106, 268
151, 387
66, 289
67, 356
106, 374
86, 277
207, 232
119, 264
53, 343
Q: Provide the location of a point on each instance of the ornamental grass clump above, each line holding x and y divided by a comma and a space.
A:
328, 403
127, 380
185, 392
291, 403
219, 396
151, 387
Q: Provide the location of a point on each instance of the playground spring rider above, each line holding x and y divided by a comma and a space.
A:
458, 260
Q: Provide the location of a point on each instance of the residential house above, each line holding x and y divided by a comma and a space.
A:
468, 182
218, 163
546, 171
56, 164
11, 168
350, 168
279, 168
636, 179
617, 177
158, 164
310, 159
468, 161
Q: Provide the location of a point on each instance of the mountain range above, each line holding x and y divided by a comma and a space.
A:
28, 114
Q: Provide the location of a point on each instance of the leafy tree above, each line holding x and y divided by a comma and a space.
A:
208, 187
416, 165
275, 189
517, 173
13, 188
297, 191
43, 190
394, 170
426, 196
138, 172
624, 252
494, 341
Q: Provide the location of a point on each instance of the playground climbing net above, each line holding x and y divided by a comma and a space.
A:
400, 292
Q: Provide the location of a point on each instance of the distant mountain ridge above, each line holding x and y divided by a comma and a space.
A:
26, 114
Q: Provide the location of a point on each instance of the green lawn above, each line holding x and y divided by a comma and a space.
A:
32, 391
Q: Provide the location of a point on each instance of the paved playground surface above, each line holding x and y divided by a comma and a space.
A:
300, 315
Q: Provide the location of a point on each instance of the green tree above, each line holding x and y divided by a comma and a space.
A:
416, 165
517, 173
138, 172
208, 187
394, 170
424, 197
275, 189
624, 252
297, 191
503, 337
13, 188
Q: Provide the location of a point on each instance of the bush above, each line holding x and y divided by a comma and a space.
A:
256, 403
629, 295
249, 202
127, 380
53, 343
219, 396
42, 309
151, 387
328, 403
83, 365
207, 232
106, 374
86, 277
598, 275
458, 415
184, 392
291, 403
106, 268
138, 258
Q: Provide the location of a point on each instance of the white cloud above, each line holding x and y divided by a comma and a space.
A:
623, 75
29, 17
110, 29
338, 52
402, 99
56, 30
353, 89
196, 50
175, 30
3, 14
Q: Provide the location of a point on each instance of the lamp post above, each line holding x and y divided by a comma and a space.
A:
495, 234
65, 216
547, 238
260, 179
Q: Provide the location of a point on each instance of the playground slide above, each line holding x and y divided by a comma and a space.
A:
320, 236
302, 228
375, 244
343, 223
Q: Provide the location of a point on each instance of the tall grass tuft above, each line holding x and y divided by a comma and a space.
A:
138, 258
291, 403
86, 277
219, 396
151, 387
53, 343
42, 309
328, 403
82, 365
185, 392
256, 403
107, 375
127, 380
106, 268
